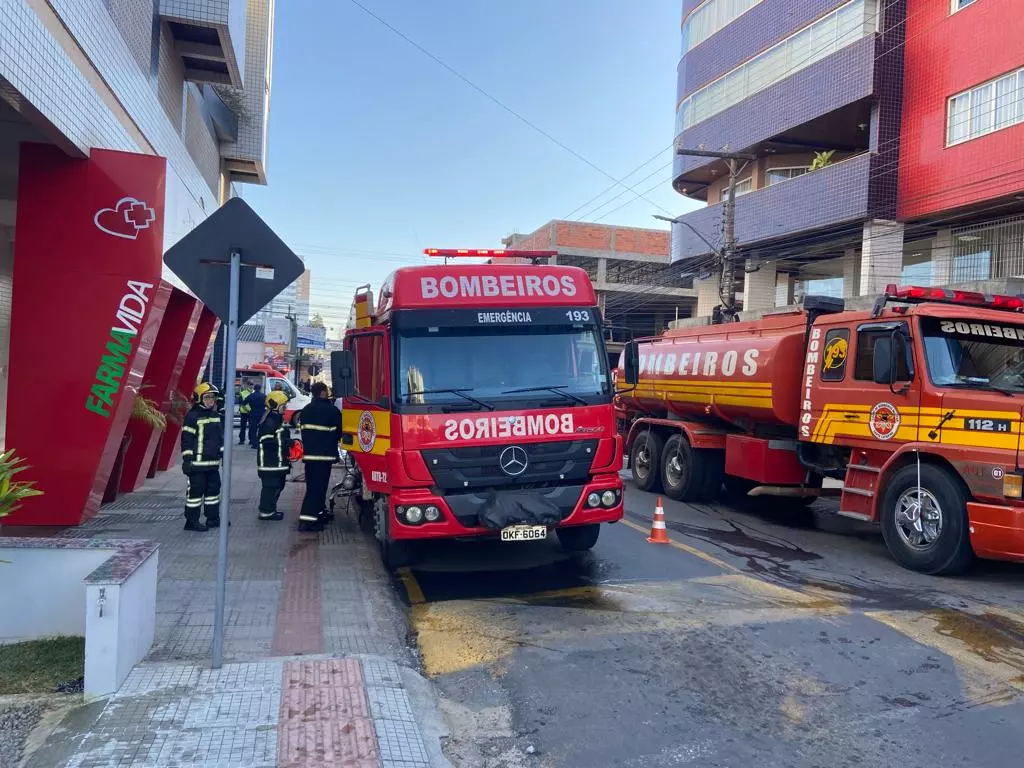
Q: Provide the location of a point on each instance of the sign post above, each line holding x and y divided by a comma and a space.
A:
259, 266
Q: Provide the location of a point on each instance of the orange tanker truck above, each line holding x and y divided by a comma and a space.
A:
916, 406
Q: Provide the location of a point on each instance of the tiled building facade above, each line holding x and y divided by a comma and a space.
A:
903, 191
186, 80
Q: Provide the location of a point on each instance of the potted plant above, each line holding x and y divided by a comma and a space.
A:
148, 412
821, 160
13, 492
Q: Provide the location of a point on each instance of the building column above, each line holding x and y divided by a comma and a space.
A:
881, 261
851, 273
707, 296
783, 289
759, 287
602, 272
942, 257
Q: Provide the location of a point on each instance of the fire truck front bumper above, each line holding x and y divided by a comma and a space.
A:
997, 531
460, 514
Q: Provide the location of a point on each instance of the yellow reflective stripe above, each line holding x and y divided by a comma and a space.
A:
208, 420
210, 463
267, 437
187, 453
189, 429
317, 428
274, 469
211, 499
307, 457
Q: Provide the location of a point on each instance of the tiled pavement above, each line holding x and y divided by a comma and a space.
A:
312, 637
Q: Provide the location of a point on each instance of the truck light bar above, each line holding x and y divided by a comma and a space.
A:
476, 253
915, 294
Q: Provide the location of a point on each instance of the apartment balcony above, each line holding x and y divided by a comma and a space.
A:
210, 37
839, 194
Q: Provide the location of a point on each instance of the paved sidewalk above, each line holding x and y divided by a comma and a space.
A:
314, 640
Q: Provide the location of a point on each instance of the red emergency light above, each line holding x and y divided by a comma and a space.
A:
915, 294
486, 253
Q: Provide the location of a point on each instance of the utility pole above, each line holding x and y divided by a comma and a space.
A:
293, 342
727, 256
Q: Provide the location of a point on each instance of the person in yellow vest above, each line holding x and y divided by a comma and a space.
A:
243, 411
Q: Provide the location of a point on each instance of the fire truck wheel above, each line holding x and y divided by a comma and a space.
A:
714, 474
682, 470
645, 461
926, 529
578, 538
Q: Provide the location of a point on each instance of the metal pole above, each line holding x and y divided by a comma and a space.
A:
727, 284
231, 342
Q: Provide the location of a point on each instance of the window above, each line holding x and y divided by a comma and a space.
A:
711, 17
985, 108
743, 187
368, 360
959, 5
864, 368
775, 175
962, 355
813, 43
833, 356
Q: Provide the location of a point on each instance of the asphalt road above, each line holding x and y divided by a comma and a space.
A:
744, 642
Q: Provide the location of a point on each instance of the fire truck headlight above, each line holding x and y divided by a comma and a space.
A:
432, 514
594, 500
1013, 485
414, 515
610, 498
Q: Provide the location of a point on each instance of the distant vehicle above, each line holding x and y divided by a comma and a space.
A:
915, 406
477, 402
269, 381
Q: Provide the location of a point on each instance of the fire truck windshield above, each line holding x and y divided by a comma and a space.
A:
515, 366
974, 355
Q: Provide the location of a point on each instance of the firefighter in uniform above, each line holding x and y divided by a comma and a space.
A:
243, 412
320, 425
202, 447
272, 458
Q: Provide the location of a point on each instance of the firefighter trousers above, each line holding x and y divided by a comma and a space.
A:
203, 495
318, 477
273, 485
243, 422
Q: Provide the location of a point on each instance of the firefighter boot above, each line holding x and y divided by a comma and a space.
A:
195, 525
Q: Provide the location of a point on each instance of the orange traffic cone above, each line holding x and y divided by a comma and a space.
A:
659, 535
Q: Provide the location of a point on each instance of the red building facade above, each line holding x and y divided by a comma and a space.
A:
967, 151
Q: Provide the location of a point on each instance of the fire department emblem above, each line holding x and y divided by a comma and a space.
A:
367, 432
884, 421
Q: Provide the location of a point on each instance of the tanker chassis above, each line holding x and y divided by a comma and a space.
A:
916, 406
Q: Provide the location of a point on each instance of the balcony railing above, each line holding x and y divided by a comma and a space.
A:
834, 195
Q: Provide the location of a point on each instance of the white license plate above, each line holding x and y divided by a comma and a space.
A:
524, 533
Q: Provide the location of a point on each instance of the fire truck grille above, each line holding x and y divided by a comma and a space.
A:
465, 469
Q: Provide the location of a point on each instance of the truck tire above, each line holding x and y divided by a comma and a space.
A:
578, 538
937, 542
394, 554
714, 474
645, 461
682, 470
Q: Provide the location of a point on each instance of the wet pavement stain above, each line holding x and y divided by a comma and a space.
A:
570, 573
990, 636
579, 598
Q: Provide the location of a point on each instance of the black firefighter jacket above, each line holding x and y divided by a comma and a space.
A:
320, 422
202, 439
274, 445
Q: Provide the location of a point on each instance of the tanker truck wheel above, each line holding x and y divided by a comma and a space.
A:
645, 461
578, 538
927, 530
683, 470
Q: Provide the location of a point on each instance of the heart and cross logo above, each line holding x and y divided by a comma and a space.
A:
126, 219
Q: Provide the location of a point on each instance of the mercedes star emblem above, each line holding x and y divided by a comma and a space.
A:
513, 461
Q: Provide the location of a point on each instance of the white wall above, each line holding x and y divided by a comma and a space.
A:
44, 591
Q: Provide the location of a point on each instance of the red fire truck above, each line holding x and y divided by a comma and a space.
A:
477, 401
915, 406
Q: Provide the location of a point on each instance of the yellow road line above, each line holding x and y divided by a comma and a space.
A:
686, 548
412, 587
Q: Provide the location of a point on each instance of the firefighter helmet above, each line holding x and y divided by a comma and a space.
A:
276, 399
205, 388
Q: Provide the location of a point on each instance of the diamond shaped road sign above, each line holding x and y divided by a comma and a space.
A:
202, 260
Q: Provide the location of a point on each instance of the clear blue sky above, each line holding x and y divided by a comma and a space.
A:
376, 152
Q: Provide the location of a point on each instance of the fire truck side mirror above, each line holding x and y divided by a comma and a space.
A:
631, 363
342, 373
